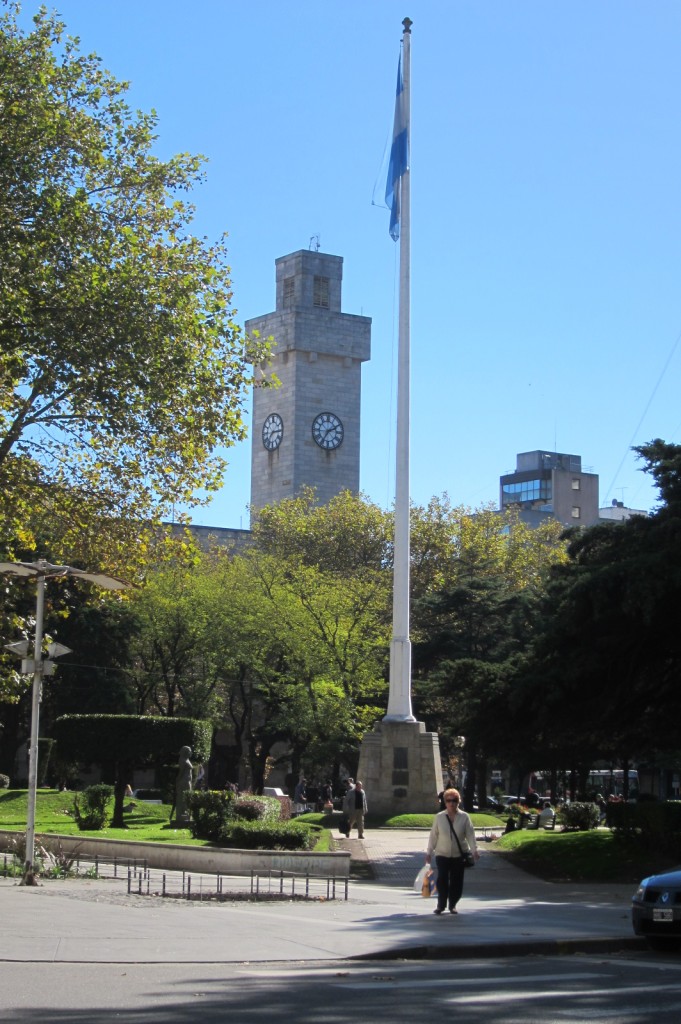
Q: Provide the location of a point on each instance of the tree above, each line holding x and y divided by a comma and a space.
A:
607, 658
448, 541
118, 742
121, 369
476, 578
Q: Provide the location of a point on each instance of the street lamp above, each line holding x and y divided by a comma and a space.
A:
39, 667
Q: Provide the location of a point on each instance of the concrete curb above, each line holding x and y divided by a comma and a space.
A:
539, 947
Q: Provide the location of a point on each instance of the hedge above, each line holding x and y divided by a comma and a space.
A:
651, 824
94, 739
265, 835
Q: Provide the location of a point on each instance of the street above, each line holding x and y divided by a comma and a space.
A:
633, 988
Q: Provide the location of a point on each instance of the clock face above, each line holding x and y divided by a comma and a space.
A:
272, 431
327, 431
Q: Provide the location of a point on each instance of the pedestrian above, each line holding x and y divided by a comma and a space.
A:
441, 794
451, 836
327, 796
355, 806
300, 797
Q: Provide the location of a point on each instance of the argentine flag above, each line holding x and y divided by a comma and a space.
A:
399, 156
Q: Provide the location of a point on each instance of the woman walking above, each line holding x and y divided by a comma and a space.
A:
451, 837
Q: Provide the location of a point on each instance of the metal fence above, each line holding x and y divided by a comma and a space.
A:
142, 880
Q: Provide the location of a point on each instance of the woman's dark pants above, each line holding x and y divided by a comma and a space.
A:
449, 881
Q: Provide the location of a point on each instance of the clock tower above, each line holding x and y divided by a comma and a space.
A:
305, 432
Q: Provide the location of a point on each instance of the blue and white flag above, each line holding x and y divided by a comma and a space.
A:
399, 156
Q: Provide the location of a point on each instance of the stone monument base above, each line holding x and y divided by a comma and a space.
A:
400, 769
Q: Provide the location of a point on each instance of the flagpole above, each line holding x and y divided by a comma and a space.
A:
399, 697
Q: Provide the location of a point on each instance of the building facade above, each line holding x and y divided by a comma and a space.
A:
551, 484
306, 431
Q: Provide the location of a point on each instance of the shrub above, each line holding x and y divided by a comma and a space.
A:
4, 781
579, 817
258, 808
210, 809
58, 861
267, 835
249, 808
90, 807
652, 825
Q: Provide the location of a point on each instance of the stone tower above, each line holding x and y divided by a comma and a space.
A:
306, 431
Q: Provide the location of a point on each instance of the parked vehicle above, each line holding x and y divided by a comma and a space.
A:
656, 909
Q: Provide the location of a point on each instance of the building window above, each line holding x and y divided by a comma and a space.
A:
523, 491
576, 483
289, 290
576, 512
321, 292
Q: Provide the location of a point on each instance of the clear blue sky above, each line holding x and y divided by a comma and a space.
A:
546, 241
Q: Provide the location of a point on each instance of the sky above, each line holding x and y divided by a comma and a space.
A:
546, 241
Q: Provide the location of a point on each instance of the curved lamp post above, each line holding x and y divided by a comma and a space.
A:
39, 667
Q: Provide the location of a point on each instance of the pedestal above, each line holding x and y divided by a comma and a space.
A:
399, 767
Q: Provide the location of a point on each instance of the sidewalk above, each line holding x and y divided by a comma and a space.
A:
504, 911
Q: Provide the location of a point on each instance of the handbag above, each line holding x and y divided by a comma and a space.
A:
466, 855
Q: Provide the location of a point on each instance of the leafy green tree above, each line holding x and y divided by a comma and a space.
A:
448, 540
477, 576
608, 656
121, 368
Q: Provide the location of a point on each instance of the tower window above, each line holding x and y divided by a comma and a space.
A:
576, 512
321, 292
289, 290
576, 483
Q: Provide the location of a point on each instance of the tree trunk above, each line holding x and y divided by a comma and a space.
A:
123, 777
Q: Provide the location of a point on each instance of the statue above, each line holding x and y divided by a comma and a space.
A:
183, 785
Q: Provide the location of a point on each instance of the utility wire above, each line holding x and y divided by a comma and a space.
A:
644, 414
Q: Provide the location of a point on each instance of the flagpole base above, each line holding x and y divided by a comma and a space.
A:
400, 768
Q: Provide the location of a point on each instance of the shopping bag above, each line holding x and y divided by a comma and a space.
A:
344, 826
425, 881
418, 881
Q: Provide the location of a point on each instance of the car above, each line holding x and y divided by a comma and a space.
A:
656, 909
501, 804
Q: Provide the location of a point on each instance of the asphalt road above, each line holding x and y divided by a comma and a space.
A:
624, 989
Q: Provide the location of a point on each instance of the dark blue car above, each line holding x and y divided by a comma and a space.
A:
656, 909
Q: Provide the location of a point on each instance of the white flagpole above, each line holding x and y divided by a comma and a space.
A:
399, 698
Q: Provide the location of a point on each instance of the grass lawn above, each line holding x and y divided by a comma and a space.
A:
54, 813
399, 820
147, 823
596, 856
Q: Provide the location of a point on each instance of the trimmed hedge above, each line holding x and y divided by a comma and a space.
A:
258, 808
92, 739
267, 835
